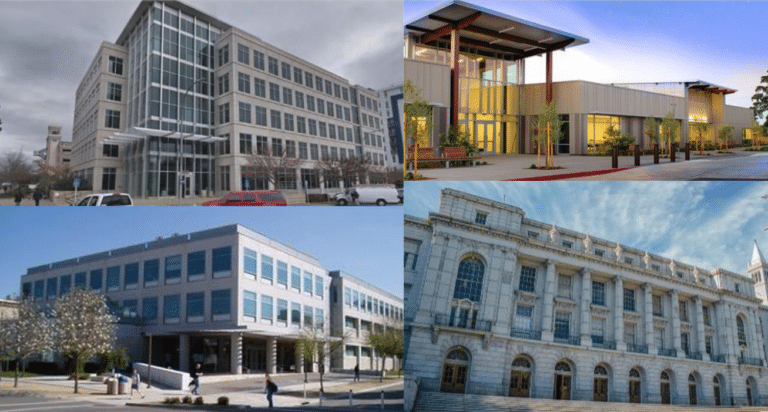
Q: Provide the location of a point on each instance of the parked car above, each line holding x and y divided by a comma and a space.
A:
254, 198
106, 199
380, 195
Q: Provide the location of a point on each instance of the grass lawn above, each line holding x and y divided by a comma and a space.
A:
10, 374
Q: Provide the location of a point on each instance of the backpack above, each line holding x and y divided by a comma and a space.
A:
271, 386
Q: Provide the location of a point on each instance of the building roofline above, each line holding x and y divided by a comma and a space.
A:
144, 5
344, 275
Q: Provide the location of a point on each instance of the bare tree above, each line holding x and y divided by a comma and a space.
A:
31, 333
316, 346
16, 167
271, 165
350, 170
387, 342
84, 326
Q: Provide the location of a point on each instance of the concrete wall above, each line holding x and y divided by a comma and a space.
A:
738, 117
433, 79
169, 378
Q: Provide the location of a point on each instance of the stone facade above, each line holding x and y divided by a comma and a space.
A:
499, 304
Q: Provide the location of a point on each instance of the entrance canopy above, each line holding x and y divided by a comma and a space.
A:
141, 133
490, 32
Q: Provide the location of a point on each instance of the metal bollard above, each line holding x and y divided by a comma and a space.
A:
350, 397
672, 152
615, 157
321, 398
687, 151
656, 153
382, 399
637, 155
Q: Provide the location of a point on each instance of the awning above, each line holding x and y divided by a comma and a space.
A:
141, 133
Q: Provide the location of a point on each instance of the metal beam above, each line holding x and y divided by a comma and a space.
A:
495, 47
504, 36
451, 25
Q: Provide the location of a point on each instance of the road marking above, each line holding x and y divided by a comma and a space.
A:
57, 405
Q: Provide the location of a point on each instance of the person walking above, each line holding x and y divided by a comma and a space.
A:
270, 389
195, 374
37, 196
18, 196
357, 372
136, 380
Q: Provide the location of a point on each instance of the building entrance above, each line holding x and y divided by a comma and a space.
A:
520, 383
563, 381
600, 392
455, 371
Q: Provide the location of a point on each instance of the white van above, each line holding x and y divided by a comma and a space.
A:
380, 195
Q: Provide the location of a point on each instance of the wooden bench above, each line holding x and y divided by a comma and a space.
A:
426, 154
458, 154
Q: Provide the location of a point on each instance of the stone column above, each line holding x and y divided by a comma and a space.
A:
300, 362
729, 323
236, 353
700, 329
760, 340
676, 326
648, 319
757, 342
506, 295
435, 262
549, 291
618, 313
184, 353
272, 354
489, 296
586, 312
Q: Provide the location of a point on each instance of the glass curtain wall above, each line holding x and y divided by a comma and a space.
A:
597, 125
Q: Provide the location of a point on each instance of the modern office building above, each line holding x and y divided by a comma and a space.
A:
57, 152
228, 298
392, 104
185, 102
363, 309
469, 63
499, 304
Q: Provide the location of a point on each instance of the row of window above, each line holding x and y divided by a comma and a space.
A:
351, 350
221, 307
305, 151
369, 304
308, 317
271, 268
284, 121
363, 325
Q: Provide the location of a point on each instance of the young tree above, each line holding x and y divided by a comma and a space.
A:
701, 129
760, 99
612, 135
16, 167
387, 342
417, 121
548, 133
757, 132
651, 130
272, 164
29, 334
84, 326
316, 346
724, 134
669, 129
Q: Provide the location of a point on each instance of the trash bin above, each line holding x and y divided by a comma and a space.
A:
122, 384
111, 386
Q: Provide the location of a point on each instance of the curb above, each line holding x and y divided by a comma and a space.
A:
568, 175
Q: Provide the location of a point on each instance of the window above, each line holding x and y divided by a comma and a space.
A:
249, 261
655, 268
246, 143
740, 331
274, 92
261, 115
258, 60
114, 91
307, 282
708, 344
39, 289
196, 265
321, 106
282, 273
112, 119
523, 318
319, 287
172, 269
567, 244
282, 310
629, 299
684, 311
64, 284
259, 87
97, 278
310, 103
350, 322
684, 342
308, 316
275, 117
222, 259
629, 333
149, 308
243, 82
469, 280
110, 150
295, 314
224, 55
527, 279
348, 297
628, 260
223, 84
108, 178
658, 338
195, 306
287, 96
658, 309
53, 283
266, 307
598, 330
266, 267
308, 79
705, 312
80, 280
295, 278
350, 351
288, 124
171, 308
480, 218
562, 325
113, 280
564, 288
599, 252
273, 66
319, 319
355, 299
300, 100
243, 54
318, 83
298, 76
116, 65
224, 113
249, 304
533, 235
220, 304
286, 70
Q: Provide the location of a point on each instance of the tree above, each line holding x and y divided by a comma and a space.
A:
701, 129
669, 129
760, 99
29, 334
84, 326
16, 167
455, 138
724, 134
547, 132
316, 346
272, 165
387, 342
350, 170
757, 131
417, 122
651, 130
612, 135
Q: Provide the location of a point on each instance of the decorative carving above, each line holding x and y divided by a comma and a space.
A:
598, 310
647, 260
673, 268
564, 303
697, 274
486, 340
685, 327
506, 277
659, 323
435, 334
619, 252
553, 234
587, 244
631, 317
526, 297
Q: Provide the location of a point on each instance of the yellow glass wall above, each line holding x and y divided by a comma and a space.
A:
596, 128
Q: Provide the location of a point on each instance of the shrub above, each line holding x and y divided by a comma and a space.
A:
223, 401
116, 358
172, 401
199, 400
81, 377
746, 143
187, 399
455, 138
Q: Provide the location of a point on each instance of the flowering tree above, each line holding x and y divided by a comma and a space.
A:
84, 326
29, 334
387, 341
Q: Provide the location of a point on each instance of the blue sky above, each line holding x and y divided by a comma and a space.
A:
718, 42
365, 241
707, 224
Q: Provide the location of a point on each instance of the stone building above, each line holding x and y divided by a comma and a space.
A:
498, 304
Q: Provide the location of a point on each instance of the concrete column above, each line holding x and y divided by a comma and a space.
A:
618, 313
184, 353
757, 341
676, 327
490, 294
272, 354
236, 350
729, 324
300, 362
700, 329
586, 312
648, 319
549, 290
506, 295
760, 340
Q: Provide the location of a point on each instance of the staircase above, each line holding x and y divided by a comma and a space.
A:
450, 402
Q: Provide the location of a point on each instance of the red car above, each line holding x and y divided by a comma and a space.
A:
257, 198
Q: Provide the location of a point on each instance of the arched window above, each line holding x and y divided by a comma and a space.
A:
665, 388
520, 381
692, 393
458, 355
563, 366
563, 381
716, 385
634, 373
521, 363
600, 387
691, 379
600, 370
664, 376
469, 281
455, 368
634, 386
740, 329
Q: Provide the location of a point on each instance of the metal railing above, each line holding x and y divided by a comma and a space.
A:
526, 334
718, 358
693, 355
637, 348
670, 352
571, 340
750, 361
479, 325
600, 342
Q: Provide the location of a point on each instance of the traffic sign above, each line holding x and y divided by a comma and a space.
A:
76, 182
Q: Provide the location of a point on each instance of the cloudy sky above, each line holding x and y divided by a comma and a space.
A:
659, 41
46, 47
364, 241
707, 224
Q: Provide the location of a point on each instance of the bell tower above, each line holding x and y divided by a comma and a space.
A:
757, 270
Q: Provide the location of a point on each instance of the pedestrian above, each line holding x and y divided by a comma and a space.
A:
37, 196
195, 374
17, 198
357, 372
136, 380
270, 389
